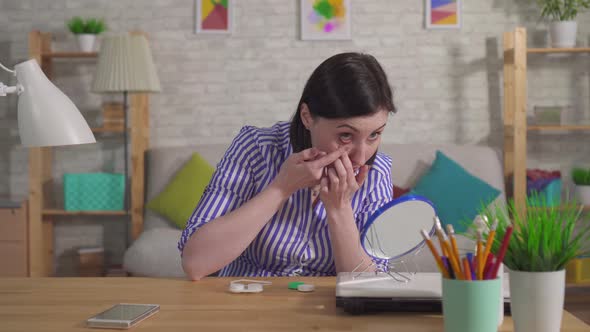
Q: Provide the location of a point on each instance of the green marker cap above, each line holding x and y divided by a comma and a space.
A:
294, 284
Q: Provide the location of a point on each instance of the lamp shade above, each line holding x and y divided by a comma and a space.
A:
125, 64
46, 116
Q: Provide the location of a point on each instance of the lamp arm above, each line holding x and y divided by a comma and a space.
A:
5, 89
8, 70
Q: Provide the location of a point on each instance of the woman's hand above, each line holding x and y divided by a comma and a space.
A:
339, 184
304, 169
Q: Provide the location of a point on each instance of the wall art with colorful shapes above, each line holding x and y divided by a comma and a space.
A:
443, 14
325, 20
213, 16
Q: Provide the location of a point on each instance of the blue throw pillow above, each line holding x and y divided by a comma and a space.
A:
456, 194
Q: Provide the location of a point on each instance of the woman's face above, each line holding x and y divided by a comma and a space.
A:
361, 134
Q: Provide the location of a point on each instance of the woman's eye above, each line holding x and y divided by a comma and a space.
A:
345, 137
375, 135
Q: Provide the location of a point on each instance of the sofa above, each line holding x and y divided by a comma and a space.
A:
155, 253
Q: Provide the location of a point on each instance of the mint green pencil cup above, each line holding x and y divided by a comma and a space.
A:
470, 306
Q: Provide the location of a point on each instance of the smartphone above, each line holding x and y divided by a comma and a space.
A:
122, 316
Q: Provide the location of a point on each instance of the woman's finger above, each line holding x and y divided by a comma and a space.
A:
324, 184
347, 163
334, 181
328, 159
340, 170
321, 154
349, 169
308, 154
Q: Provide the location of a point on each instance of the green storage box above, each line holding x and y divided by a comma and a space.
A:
94, 192
550, 196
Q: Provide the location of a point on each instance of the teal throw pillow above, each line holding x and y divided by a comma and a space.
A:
456, 194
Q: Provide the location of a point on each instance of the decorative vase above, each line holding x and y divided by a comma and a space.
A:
563, 33
86, 42
583, 193
536, 300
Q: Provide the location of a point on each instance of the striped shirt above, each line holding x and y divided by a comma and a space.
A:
295, 241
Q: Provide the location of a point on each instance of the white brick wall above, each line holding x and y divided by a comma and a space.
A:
447, 84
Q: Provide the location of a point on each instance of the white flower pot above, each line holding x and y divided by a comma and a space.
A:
563, 33
86, 42
537, 300
583, 193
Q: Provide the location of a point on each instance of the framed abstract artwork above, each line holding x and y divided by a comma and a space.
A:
443, 14
214, 16
325, 20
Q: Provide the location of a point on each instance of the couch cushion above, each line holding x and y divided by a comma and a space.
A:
411, 161
399, 191
457, 195
163, 162
154, 254
178, 200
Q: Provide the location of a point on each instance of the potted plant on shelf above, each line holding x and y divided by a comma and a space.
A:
543, 241
581, 178
86, 31
562, 14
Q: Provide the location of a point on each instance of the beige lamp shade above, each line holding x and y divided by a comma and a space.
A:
125, 64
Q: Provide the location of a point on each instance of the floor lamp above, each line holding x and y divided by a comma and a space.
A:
125, 65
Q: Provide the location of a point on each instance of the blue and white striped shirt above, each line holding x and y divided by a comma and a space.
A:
295, 241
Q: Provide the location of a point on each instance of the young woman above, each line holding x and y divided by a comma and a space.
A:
290, 199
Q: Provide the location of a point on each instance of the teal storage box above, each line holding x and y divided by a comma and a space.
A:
550, 196
94, 192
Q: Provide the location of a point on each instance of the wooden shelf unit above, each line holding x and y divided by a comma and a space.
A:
515, 110
57, 212
560, 127
584, 208
100, 130
14, 243
559, 50
69, 55
41, 213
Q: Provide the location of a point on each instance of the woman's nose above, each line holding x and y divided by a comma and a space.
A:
357, 155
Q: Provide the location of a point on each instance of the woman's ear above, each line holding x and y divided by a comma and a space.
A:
305, 115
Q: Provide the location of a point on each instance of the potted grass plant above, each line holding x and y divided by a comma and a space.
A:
581, 178
86, 31
562, 14
543, 241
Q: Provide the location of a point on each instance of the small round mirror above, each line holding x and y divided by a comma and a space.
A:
394, 230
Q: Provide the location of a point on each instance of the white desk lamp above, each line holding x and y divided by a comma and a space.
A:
46, 116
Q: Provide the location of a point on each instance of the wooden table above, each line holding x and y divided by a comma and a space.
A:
63, 304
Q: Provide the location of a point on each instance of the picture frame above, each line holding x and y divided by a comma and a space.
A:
214, 16
443, 14
325, 20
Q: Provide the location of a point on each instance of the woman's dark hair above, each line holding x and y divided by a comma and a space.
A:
343, 86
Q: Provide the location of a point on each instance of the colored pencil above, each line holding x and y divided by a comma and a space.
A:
446, 247
454, 248
434, 252
479, 256
466, 268
440, 234
455, 262
502, 252
471, 265
490, 241
488, 266
447, 264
